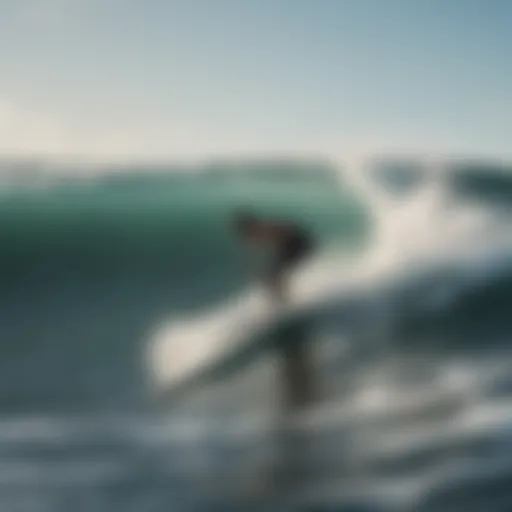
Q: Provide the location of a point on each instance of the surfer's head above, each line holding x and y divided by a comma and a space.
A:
244, 222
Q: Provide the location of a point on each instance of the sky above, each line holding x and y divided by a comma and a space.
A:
120, 79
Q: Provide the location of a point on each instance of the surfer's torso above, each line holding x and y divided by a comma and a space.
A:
289, 244
291, 241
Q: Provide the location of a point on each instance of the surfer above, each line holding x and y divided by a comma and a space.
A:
289, 243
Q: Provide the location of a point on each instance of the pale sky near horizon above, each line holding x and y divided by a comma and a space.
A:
185, 78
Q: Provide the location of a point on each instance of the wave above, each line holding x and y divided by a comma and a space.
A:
90, 272
428, 250
413, 352
87, 271
411, 321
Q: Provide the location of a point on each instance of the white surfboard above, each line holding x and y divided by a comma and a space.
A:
192, 351
235, 337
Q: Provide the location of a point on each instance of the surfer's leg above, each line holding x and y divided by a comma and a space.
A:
298, 392
276, 278
299, 389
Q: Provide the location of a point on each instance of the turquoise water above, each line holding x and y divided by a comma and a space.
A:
88, 269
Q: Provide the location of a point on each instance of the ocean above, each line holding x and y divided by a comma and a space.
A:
413, 291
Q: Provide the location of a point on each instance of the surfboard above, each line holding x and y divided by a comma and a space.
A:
256, 336
203, 349
261, 332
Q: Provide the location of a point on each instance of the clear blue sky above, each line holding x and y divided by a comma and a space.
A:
192, 77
